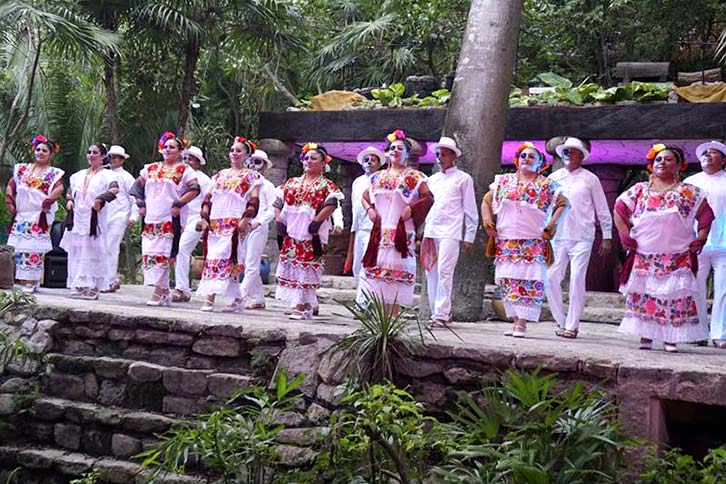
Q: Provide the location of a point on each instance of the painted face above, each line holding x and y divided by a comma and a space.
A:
42, 153
712, 161
529, 160
238, 154
192, 161
445, 157
370, 164
665, 165
171, 152
397, 153
312, 162
94, 156
255, 163
572, 158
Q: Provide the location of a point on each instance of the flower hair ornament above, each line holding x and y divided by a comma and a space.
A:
544, 164
40, 139
657, 148
251, 145
166, 136
397, 134
327, 159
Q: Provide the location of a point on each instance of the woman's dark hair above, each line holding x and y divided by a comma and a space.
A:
676, 150
406, 142
101, 147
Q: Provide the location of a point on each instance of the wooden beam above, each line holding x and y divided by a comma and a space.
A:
632, 121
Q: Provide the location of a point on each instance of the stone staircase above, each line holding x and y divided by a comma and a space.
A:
110, 387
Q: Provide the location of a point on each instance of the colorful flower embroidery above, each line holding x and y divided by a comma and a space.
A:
43, 182
388, 238
284, 282
539, 193
221, 269
152, 261
299, 252
28, 230
223, 227
674, 312
522, 291
525, 250
160, 172
240, 183
296, 193
29, 261
390, 275
661, 265
158, 230
683, 197
405, 182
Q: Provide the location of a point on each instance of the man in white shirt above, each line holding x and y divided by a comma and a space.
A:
254, 243
575, 235
453, 213
194, 157
122, 213
370, 159
713, 256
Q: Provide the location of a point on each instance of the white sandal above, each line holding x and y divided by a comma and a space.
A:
233, 307
163, 300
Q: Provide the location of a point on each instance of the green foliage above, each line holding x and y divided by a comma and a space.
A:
238, 440
13, 350
10, 479
384, 336
381, 434
674, 467
90, 477
525, 432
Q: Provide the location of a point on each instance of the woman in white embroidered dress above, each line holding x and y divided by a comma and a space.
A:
397, 202
655, 222
227, 211
305, 208
86, 234
162, 191
31, 197
527, 206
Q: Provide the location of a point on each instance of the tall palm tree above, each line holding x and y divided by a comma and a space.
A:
31, 29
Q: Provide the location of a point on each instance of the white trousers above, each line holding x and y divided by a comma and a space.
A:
114, 235
188, 241
252, 247
715, 260
360, 244
440, 279
577, 255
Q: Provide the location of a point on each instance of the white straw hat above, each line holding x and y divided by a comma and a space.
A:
196, 153
262, 156
711, 145
573, 143
371, 150
117, 150
446, 142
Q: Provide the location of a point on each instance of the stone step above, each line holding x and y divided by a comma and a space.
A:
137, 384
43, 465
98, 430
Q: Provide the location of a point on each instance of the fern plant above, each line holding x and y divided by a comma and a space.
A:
13, 350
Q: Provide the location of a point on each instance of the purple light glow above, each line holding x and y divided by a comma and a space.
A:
618, 152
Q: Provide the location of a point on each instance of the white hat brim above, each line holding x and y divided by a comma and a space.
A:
711, 145
381, 156
581, 149
455, 149
125, 156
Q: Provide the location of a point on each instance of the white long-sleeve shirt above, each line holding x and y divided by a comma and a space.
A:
123, 208
454, 207
361, 221
586, 198
268, 194
715, 188
195, 206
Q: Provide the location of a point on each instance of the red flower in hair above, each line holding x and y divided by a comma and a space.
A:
166, 136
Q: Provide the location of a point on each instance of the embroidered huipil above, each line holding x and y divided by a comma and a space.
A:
230, 193
452, 189
164, 185
660, 290
299, 272
393, 276
86, 254
587, 199
522, 210
26, 235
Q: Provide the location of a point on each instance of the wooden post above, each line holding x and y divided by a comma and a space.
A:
476, 119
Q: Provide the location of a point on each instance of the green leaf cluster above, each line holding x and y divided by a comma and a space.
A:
674, 467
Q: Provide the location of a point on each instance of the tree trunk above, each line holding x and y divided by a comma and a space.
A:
109, 80
476, 119
191, 59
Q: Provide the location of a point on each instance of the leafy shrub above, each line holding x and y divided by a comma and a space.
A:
674, 467
90, 477
523, 432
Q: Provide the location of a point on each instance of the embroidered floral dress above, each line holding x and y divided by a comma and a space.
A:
87, 254
230, 193
164, 185
26, 235
299, 272
393, 277
522, 211
660, 292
